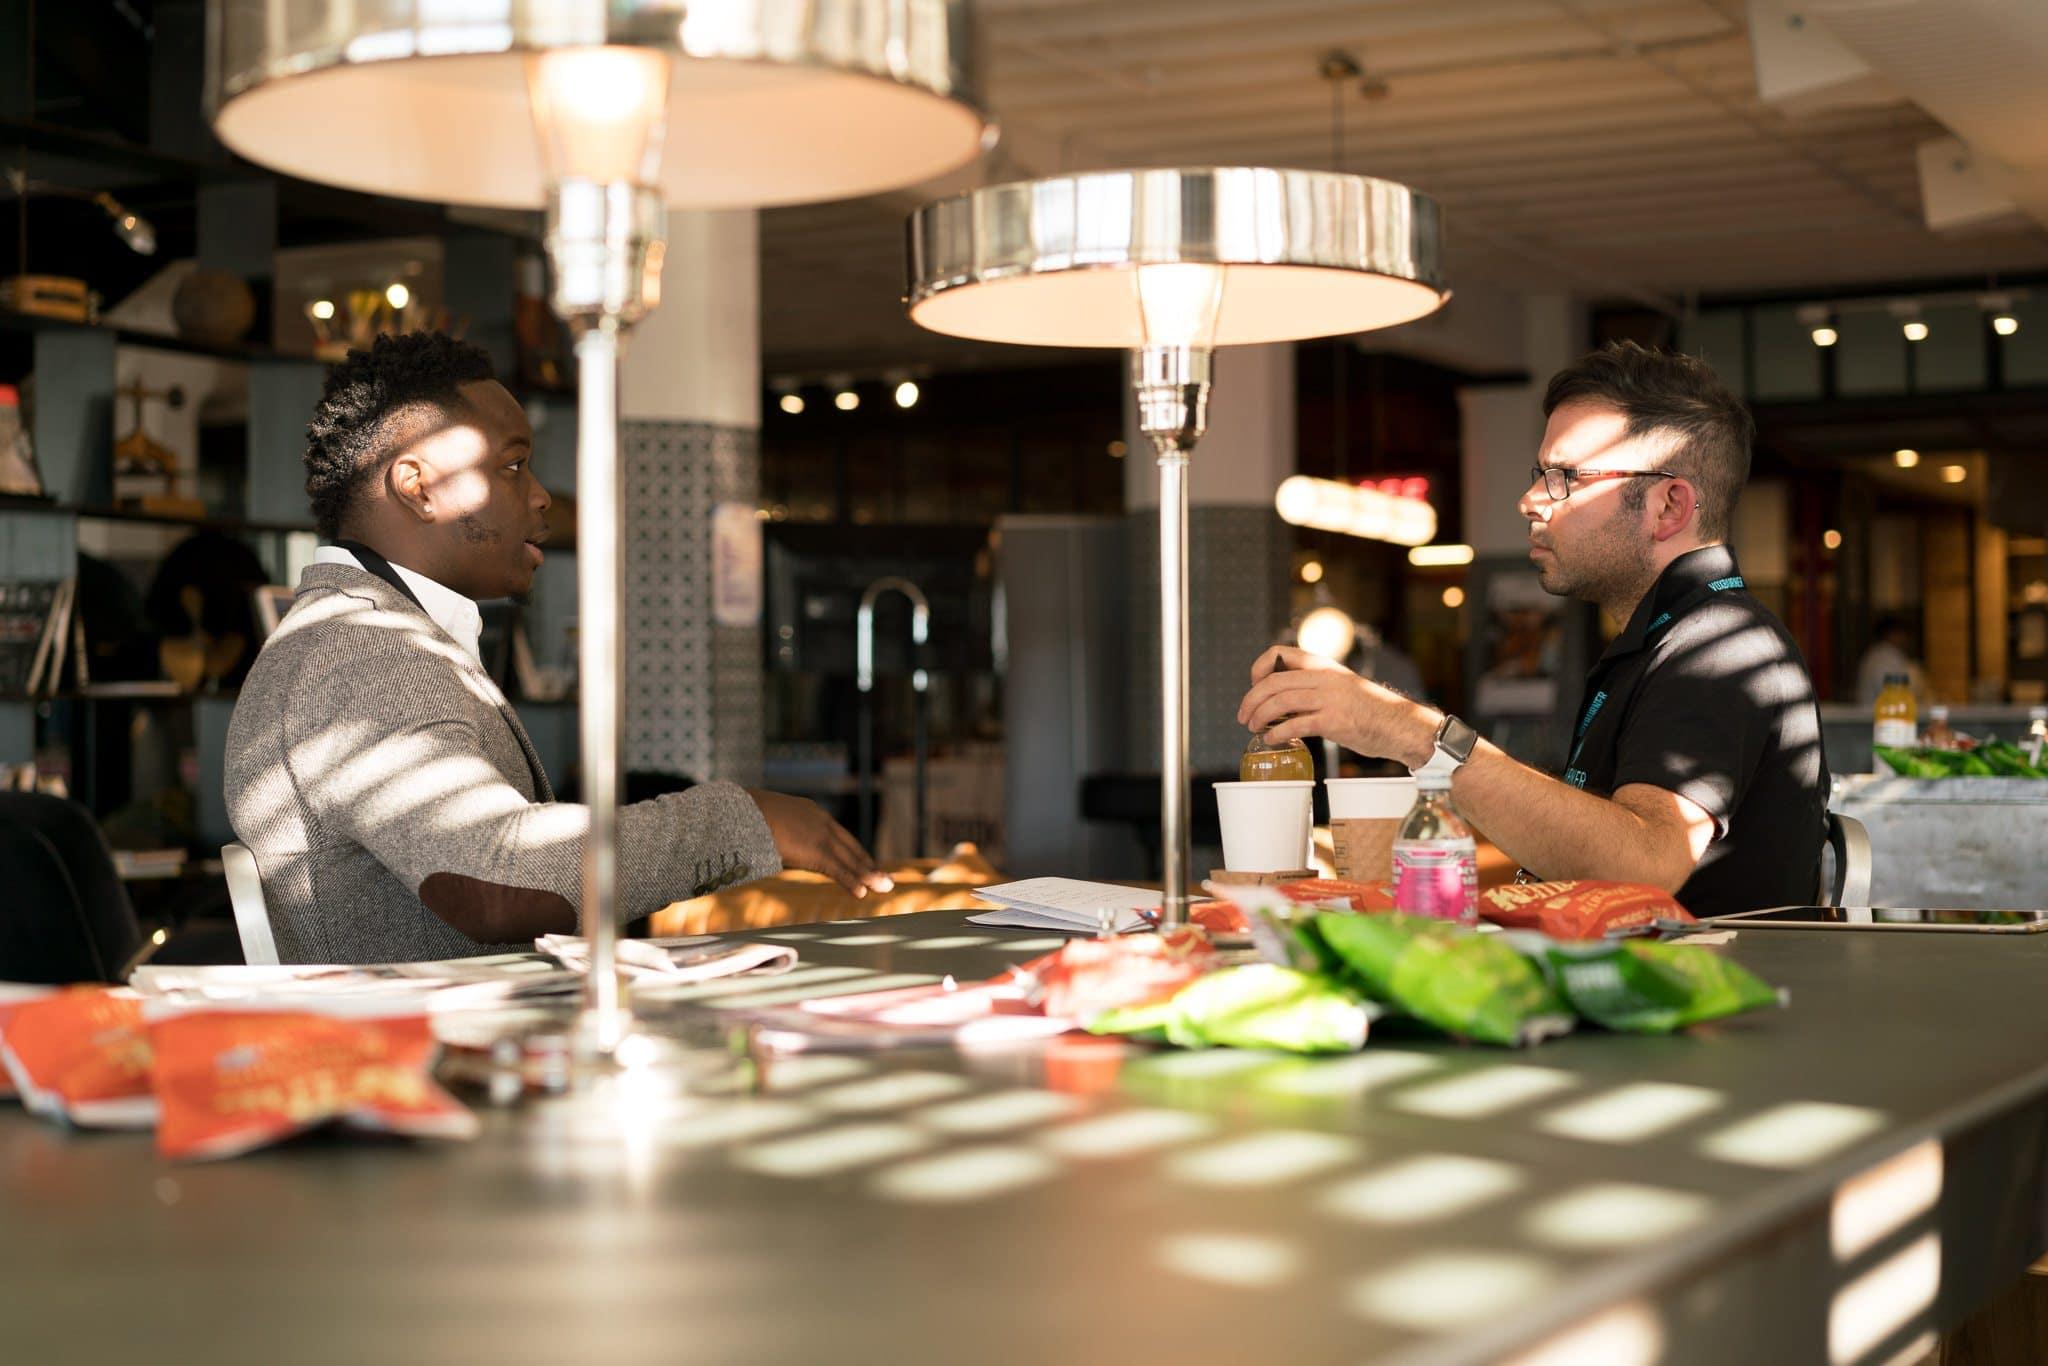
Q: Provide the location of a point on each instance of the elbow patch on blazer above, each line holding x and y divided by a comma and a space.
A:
493, 913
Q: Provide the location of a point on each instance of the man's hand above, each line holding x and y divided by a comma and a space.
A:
809, 839
1319, 696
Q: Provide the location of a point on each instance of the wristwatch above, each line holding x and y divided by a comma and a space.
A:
1455, 739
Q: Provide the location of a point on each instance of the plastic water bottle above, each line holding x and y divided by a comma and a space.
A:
1436, 863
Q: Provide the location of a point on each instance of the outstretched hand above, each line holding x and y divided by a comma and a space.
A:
1296, 694
809, 839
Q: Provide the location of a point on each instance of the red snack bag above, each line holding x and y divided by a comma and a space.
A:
1088, 976
1326, 891
229, 1080
82, 1055
1580, 910
13, 994
1219, 917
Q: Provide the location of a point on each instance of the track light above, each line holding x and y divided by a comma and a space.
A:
846, 400
906, 394
1905, 458
1916, 331
792, 404
1825, 336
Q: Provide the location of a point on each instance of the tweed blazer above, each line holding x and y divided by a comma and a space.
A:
398, 811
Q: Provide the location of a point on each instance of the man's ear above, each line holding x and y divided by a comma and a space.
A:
1677, 507
406, 479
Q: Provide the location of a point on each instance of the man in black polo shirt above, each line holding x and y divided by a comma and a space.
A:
1696, 762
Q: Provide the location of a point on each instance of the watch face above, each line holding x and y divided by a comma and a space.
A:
1457, 739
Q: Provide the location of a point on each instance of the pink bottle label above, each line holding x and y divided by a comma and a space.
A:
1439, 882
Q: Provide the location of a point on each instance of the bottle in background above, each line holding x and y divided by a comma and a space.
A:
1282, 761
1436, 862
2037, 734
1939, 733
1896, 718
18, 472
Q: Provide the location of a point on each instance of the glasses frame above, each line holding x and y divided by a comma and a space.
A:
1550, 476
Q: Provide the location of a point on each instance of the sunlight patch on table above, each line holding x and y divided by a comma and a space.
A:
831, 1151
1632, 1113
1793, 1135
1127, 1133
1419, 1189
1233, 1259
965, 1174
1272, 1158
1484, 1093
1615, 1214
1443, 1290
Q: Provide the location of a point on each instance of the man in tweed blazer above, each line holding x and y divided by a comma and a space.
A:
395, 806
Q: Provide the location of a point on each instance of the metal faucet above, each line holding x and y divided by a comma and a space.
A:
864, 679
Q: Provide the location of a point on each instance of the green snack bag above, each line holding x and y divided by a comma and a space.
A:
1146, 1022
1257, 1005
1457, 979
1261, 1005
1647, 988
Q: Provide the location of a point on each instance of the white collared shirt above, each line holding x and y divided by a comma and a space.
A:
453, 613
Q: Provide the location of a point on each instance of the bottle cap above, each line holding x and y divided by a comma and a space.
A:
10, 397
1897, 681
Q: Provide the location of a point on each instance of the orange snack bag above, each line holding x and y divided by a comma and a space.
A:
81, 1055
1088, 976
1588, 909
13, 994
1326, 891
1219, 917
229, 1080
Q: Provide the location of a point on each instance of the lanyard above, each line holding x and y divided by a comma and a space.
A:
1573, 774
381, 567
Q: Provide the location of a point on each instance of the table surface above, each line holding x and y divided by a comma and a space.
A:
1421, 1201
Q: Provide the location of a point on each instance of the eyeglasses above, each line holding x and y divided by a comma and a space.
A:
1557, 479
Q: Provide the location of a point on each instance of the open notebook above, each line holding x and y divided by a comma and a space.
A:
1065, 903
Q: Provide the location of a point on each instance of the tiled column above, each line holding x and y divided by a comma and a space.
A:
690, 436
1238, 556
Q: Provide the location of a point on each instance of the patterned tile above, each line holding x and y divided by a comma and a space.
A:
693, 688
1237, 606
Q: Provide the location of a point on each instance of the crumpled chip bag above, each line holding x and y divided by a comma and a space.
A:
81, 1055
1588, 909
231, 1080
1340, 893
12, 994
1463, 982
1254, 1005
1641, 987
1085, 977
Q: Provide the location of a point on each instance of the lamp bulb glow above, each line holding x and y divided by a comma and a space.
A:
1825, 336
846, 400
1327, 631
1915, 331
791, 404
398, 296
906, 394
321, 309
2005, 324
1905, 458
600, 112
1179, 303
1954, 474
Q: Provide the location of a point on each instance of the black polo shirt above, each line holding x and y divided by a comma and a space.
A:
1705, 695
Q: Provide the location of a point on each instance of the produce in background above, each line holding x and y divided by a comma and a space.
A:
1993, 759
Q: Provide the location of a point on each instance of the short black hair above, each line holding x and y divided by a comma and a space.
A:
373, 401
1659, 391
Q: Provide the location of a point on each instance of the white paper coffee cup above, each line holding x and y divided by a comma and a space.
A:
1266, 825
1370, 799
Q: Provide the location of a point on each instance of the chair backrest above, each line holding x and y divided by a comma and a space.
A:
69, 917
1845, 865
245, 894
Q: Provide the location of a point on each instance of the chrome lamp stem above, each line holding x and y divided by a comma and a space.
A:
1172, 388
605, 243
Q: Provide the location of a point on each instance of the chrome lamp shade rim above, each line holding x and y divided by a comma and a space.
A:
770, 102
1306, 254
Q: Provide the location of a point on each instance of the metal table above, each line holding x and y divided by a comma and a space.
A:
1831, 1182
